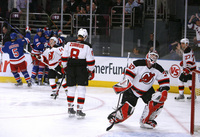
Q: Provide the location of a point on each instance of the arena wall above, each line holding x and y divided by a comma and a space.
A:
108, 71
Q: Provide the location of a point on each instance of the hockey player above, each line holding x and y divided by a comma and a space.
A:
194, 23
78, 61
17, 58
52, 55
140, 76
43, 69
189, 64
37, 50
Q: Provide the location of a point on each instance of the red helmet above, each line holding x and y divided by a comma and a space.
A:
152, 56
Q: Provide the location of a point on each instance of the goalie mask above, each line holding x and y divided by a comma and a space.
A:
152, 57
83, 32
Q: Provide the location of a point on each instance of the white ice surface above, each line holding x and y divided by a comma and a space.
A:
31, 112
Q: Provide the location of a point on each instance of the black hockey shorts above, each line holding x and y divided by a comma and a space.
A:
132, 99
52, 74
77, 75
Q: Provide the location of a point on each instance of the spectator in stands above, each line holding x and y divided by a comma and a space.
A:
194, 23
117, 10
175, 50
105, 6
67, 18
21, 7
3, 8
150, 44
130, 5
72, 5
83, 4
43, 4
6, 35
11, 6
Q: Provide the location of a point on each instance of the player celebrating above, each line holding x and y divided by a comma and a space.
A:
17, 58
78, 61
188, 64
52, 55
140, 76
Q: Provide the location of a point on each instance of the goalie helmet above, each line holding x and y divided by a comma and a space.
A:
83, 32
152, 56
184, 40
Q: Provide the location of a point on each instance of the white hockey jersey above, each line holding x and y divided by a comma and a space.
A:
197, 29
189, 59
79, 50
142, 78
52, 56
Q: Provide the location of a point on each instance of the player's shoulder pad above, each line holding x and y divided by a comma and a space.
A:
158, 67
139, 62
86, 43
187, 50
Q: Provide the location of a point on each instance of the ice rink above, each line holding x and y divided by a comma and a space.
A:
31, 112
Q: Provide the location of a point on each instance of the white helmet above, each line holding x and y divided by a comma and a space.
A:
83, 32
185, 40
54, 39
152, 56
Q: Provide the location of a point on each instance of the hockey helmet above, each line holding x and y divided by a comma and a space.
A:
83, 32
39, 30
55, 40
185, 40
13, 36
48, 33
152, 56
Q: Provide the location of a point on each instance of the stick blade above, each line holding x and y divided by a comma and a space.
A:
108, 128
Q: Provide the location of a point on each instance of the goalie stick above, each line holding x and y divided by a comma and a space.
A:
42, 61
108, 128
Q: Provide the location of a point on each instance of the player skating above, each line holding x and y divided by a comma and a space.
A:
52, 56
140, 76
78, 61
188, 64
17, 58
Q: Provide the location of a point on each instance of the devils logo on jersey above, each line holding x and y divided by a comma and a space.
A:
147, 77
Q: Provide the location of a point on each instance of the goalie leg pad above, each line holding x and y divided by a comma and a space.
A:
122, 113
122, 86
151, 111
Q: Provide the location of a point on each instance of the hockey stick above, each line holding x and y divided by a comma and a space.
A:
42, 61
63, 76
108, 128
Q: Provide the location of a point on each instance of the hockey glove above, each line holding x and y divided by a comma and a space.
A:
46, 45
186, 71
90, 75
159, 97
64, 70
28, 29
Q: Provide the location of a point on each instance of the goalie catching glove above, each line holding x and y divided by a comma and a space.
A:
122, 86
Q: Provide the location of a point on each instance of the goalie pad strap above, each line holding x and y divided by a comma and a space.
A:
151, 108
122, 86
123, 112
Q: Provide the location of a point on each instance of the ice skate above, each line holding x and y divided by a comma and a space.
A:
40, 82
180, 97
149, 124
80, 114
46, 81
71, 112
190, 97
29, 84
34, 81
19, 84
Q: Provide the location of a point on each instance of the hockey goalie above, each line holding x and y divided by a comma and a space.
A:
139, 78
